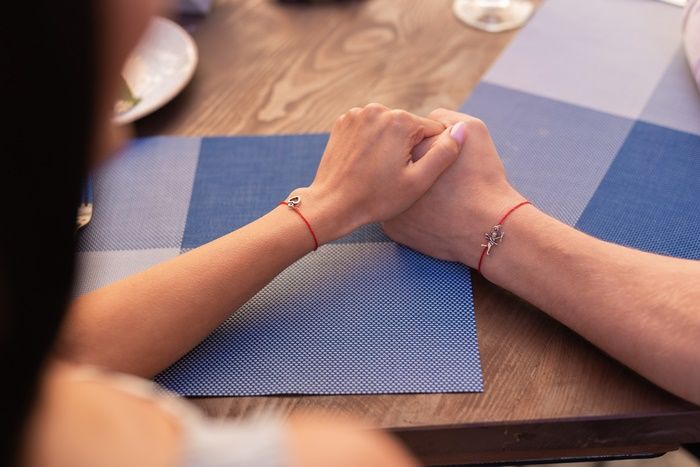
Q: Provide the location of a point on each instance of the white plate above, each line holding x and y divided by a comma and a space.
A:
159, 68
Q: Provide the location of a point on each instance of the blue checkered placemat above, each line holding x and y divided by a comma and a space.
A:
361, 315
597, 117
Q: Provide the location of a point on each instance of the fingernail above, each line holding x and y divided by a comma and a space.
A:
457, 132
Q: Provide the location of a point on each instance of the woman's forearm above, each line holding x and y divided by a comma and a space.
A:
643, 309
145, 322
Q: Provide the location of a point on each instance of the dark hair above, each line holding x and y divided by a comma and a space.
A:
48, 96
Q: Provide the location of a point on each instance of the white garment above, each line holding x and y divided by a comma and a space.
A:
258, 442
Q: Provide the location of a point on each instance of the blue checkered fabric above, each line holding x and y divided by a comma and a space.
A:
361, 315
352, 318
595, 113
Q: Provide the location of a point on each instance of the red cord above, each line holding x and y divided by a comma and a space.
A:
510, 211
284, 203
481, 259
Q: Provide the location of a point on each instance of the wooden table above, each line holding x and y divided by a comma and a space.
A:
271, 68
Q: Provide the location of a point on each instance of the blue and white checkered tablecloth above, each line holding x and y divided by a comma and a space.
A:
596, 116
595, 113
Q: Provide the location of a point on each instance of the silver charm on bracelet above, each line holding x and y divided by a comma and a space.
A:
294, 201
493, 237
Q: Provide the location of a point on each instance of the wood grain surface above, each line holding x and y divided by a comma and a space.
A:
271, 68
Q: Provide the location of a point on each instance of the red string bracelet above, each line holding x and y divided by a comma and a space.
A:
294, 203
495, 236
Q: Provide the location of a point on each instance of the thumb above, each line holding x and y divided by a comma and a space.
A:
442, 154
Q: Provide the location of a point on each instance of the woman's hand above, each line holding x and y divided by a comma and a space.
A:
450, 220
367, 173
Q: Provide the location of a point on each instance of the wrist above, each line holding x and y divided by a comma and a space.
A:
327, 215
479, 219
523, 229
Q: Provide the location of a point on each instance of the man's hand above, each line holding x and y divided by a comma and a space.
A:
450, 220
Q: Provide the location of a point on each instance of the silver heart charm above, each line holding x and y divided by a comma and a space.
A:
294, 201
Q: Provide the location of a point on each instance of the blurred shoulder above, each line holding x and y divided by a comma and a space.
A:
83, 419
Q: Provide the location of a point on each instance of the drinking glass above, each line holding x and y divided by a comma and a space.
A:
493, 15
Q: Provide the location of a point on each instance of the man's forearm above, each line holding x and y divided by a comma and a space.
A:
643, 309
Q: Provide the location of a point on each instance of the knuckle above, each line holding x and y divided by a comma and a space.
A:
438, 112
373, 109
347, 116
442, 114
341, 120
475, 125
399, 116
400, 119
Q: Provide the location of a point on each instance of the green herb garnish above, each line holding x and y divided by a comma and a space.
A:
126, 100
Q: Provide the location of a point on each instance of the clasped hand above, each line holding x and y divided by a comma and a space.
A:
434, 183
